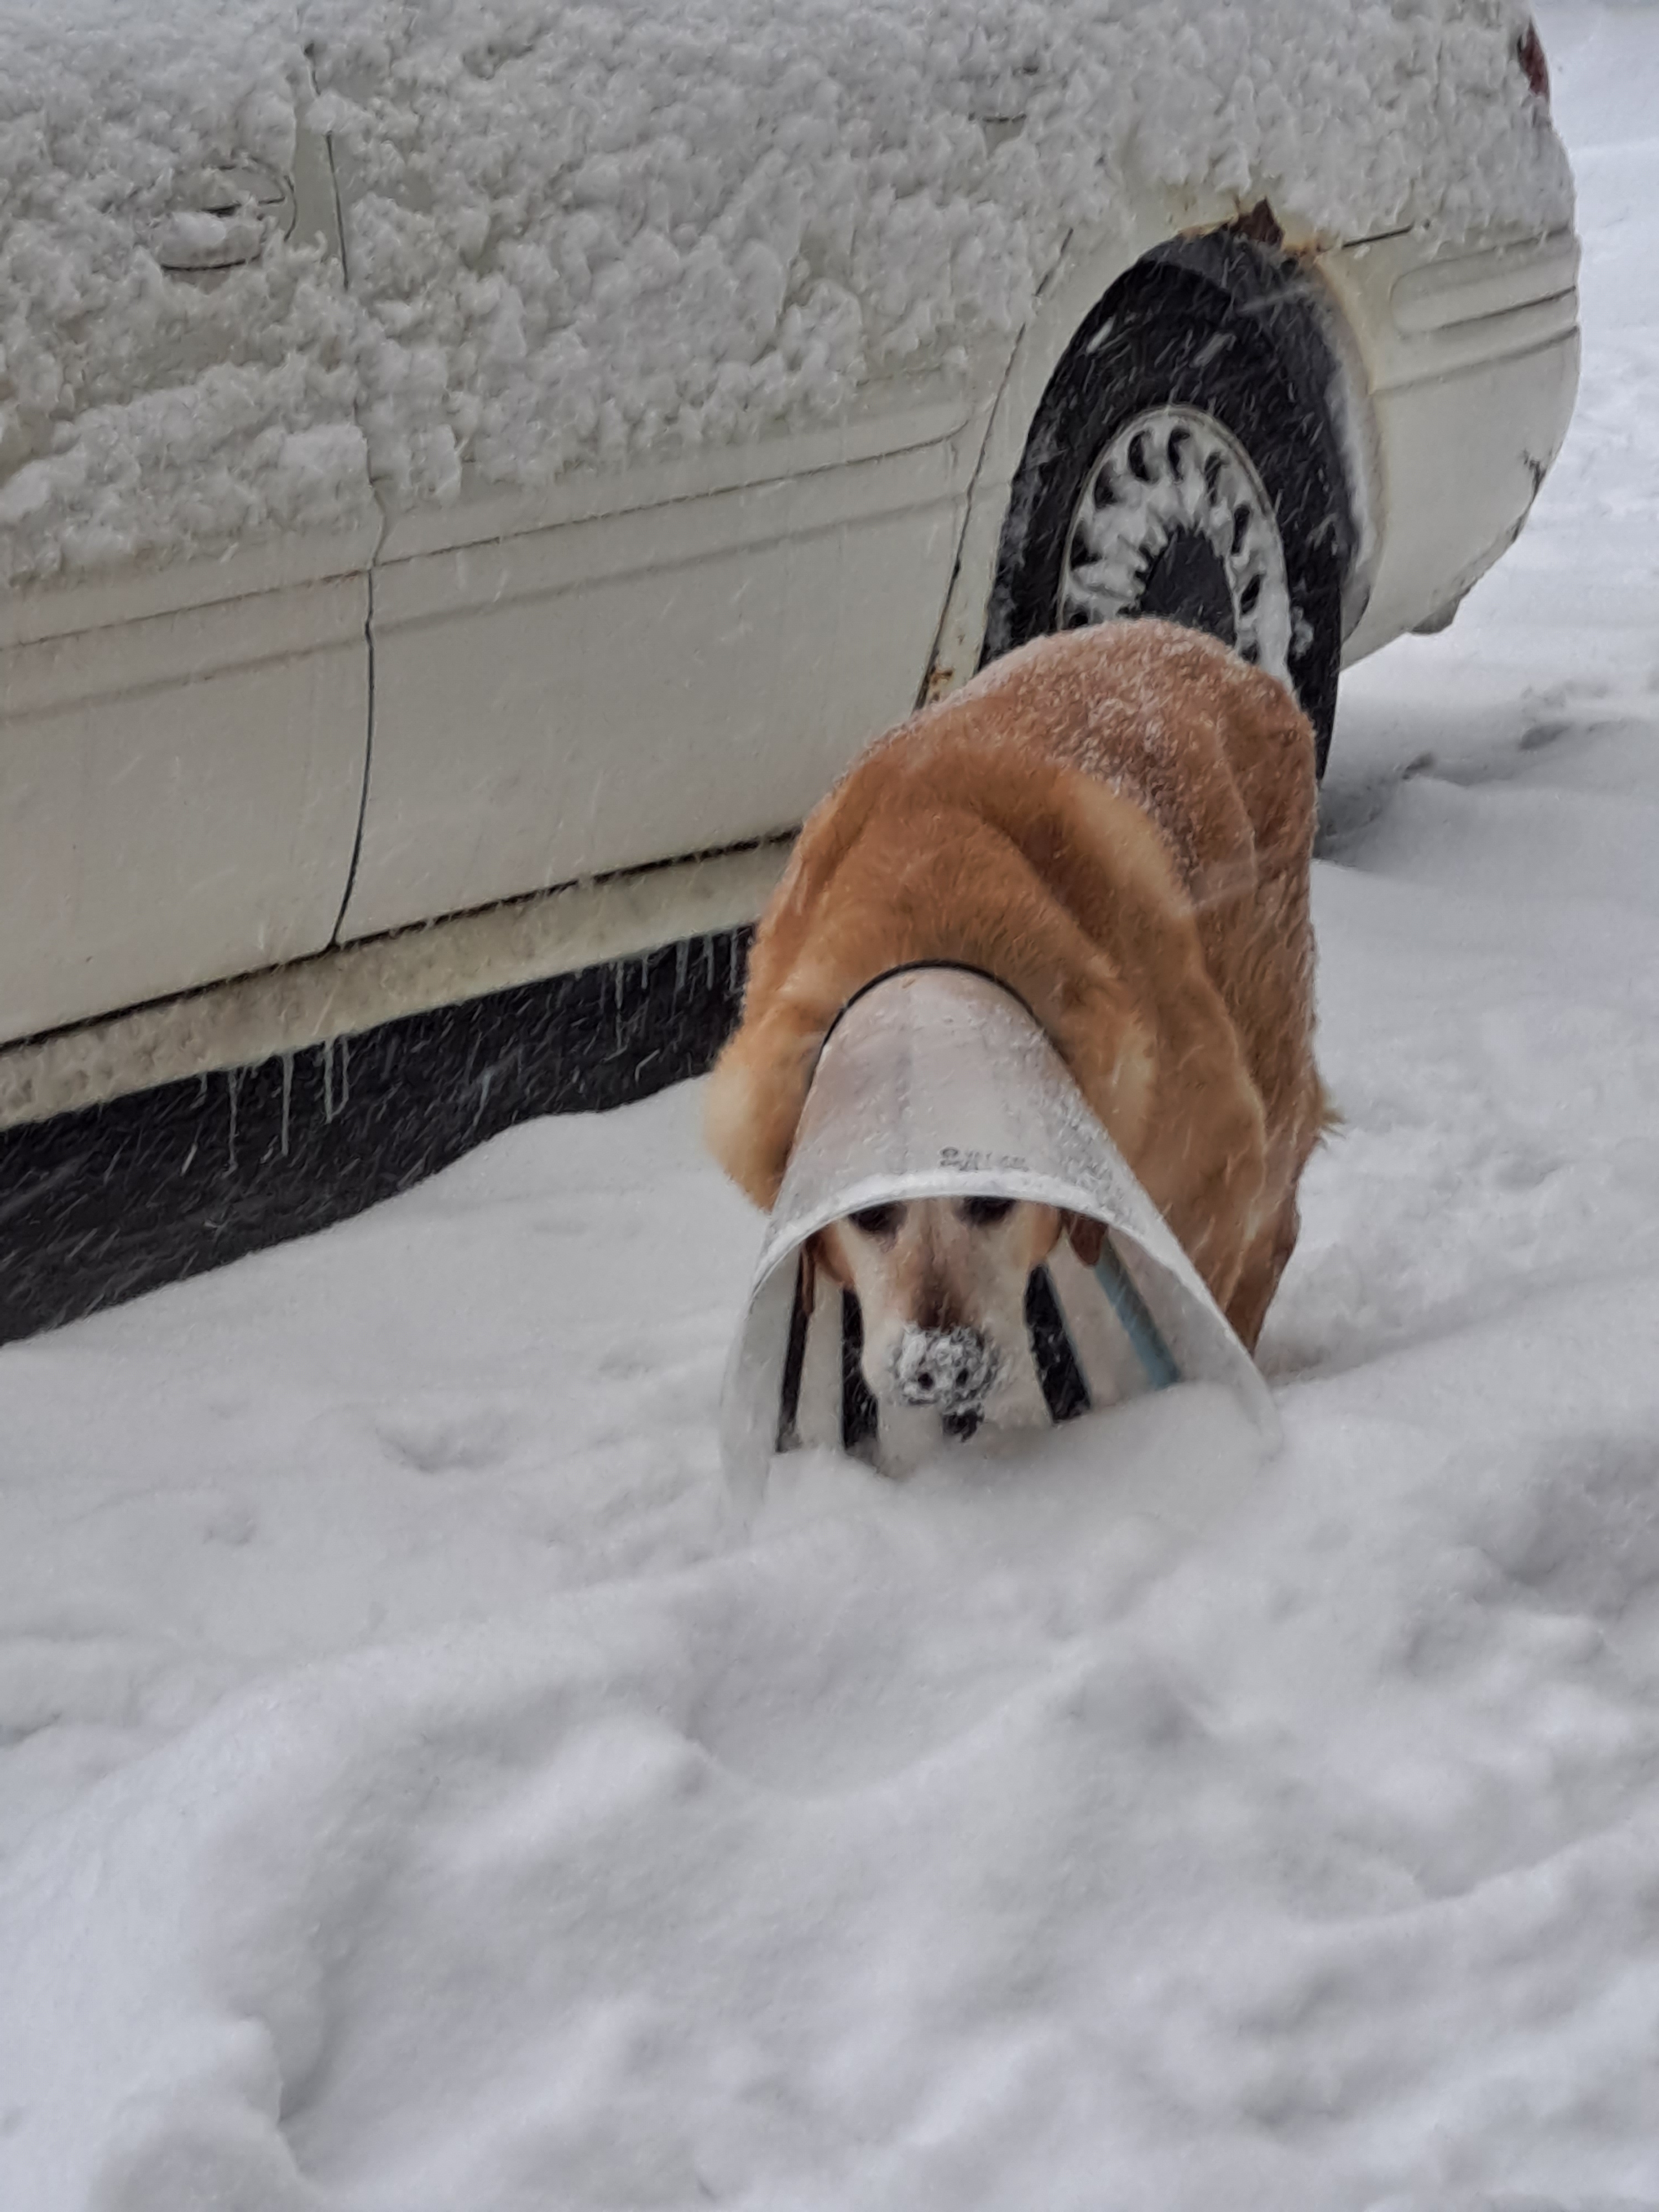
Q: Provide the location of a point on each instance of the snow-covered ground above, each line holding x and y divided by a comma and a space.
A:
419, 1793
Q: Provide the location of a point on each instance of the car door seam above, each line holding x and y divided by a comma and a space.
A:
368, 756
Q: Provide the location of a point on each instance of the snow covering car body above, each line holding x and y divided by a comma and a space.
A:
459, 461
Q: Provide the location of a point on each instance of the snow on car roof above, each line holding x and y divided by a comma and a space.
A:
579, 233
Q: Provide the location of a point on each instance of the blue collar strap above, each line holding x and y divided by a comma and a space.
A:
1138, 1326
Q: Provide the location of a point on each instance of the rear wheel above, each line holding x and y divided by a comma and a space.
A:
1180, 466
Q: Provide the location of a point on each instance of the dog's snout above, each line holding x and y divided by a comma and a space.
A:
949, 1368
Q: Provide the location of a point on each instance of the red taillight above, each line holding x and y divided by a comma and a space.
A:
1529, 51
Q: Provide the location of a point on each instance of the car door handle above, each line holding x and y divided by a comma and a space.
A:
223, 218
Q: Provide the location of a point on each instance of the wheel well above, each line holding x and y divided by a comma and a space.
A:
1277, 290
1248, 275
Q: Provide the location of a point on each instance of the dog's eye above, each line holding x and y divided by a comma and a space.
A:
982, 1211
877, 1220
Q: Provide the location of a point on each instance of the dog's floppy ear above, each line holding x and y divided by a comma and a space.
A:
1088, 1236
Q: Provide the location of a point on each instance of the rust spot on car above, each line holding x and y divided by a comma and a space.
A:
1260, 225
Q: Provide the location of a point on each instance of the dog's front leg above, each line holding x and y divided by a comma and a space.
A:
1204, 1164
1264, 1263
1214, 1202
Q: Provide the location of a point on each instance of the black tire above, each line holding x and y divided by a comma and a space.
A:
1171, 349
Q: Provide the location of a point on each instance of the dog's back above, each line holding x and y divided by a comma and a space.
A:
1220, 758
1117, 823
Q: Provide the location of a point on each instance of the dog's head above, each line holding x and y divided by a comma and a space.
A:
941, 1286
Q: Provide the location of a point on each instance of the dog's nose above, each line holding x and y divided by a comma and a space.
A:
949, 1368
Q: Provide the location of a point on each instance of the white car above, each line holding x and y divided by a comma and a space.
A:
472, 475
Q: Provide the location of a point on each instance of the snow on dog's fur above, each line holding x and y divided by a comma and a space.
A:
1117, 825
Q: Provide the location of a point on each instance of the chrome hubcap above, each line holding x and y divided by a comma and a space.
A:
1174, 521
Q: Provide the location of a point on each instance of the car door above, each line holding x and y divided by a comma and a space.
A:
185, 531
596, 647
686, 665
